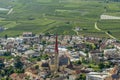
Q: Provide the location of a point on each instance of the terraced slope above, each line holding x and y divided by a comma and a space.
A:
62, 16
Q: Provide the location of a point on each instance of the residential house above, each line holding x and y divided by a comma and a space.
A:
27, 34
96, 76
16, 76
111, 53
95, 56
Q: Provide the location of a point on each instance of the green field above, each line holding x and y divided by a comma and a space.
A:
112, 26
61, 16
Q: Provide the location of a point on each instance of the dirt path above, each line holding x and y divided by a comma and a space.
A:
110, 35
10, 11
76, 32
97, 28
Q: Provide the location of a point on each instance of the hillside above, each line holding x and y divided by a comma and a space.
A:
61, 16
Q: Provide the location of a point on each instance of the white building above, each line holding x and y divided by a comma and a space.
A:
110, 51
2, 52
96, 76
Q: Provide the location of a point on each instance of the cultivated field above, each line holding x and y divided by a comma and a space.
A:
110, 26
61, 16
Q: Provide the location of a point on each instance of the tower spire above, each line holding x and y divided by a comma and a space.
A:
56, 55
56, 44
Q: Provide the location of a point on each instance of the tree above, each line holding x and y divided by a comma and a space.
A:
37, 67
38, 59
7, 54
2, 73
43, 42
18, 64
81, 77
1, 64
101, 65
109, 32
6, 36
79, 62
9, 70
47, 34
45, 57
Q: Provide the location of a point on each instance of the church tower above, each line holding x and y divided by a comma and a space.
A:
56, 55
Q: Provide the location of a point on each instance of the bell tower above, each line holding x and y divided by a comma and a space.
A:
56, 55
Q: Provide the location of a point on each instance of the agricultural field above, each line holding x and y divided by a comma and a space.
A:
61, 16
110, 26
